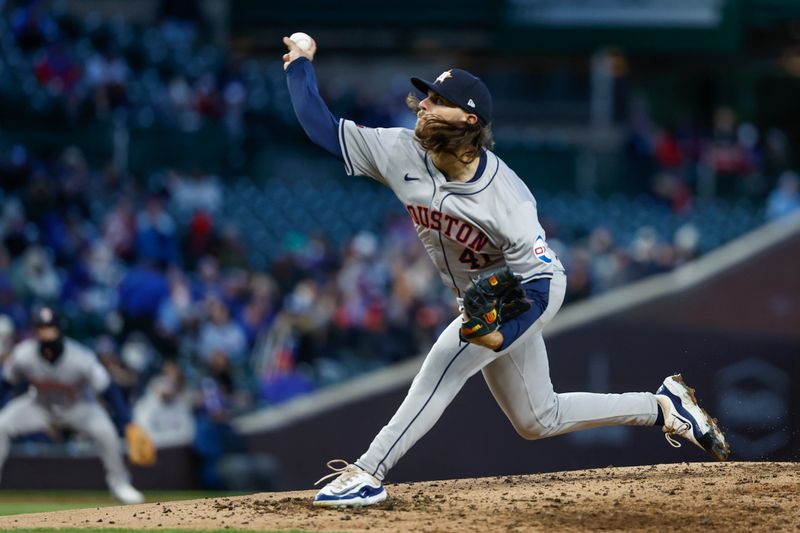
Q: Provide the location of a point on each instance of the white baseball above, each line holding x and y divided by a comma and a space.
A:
303, 40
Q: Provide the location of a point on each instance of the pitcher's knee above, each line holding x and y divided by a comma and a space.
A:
541, 423
531, 430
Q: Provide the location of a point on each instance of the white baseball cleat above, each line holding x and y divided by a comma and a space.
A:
125, 493
352, 487
685, 418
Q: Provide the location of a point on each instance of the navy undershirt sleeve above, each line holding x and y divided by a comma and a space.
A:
120, 412
6, 391
538, 294
316, 119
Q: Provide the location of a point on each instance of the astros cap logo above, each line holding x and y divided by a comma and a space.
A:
444, 75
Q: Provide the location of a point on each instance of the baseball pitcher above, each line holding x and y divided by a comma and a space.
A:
479, 223
64, 379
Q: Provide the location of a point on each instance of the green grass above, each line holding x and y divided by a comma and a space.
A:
42, 501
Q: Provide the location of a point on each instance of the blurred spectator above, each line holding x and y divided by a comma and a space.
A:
57, 69
726, 156
15, 228
196, 192
123, 376
107, 77
34, 278
225, 461
156, 238
669, 188
200, 239
15, 169
777, 156
222, 334
179, 19
32, 24
140, 294
578, 273
607, 265
256, 316
176, 310
785, 197
165, 410
120, 230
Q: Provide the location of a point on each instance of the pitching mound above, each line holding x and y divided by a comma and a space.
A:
682, 497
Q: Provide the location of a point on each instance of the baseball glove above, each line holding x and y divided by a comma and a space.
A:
492, 298
141, 450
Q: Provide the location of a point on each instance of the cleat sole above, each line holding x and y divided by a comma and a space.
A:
714, 440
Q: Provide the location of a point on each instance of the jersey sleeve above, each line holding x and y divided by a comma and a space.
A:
368, 151
11, 368
97, 376
525, 249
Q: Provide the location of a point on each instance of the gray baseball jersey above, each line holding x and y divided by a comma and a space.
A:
63, 394
467, 228
76, 376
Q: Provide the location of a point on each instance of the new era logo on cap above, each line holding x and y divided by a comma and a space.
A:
463, 89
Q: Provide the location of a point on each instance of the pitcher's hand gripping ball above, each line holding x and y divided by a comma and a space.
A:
491, 299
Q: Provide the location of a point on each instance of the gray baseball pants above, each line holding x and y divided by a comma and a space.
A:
519, 378
24, 415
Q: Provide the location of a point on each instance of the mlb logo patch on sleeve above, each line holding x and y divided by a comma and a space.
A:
540, 250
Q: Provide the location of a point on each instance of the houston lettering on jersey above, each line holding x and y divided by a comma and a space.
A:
450, 226
53, 387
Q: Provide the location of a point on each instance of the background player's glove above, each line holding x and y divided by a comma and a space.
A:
491, 299
141, 450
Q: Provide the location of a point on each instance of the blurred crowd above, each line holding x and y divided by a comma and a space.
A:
57, 64
731, 159
90, 68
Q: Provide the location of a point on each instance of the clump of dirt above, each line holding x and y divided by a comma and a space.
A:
676, 497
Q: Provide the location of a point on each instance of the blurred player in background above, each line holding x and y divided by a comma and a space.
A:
475, 218
64, 379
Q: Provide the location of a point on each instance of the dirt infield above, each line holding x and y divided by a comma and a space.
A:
682, 497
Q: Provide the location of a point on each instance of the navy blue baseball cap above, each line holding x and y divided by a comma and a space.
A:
44, 316
463, 89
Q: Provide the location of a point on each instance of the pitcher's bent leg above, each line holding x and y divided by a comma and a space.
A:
520, 382
445, 370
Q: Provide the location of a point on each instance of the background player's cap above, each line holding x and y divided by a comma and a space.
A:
44, 316
463, 89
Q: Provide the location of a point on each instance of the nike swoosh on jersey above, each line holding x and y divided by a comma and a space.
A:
409, 178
